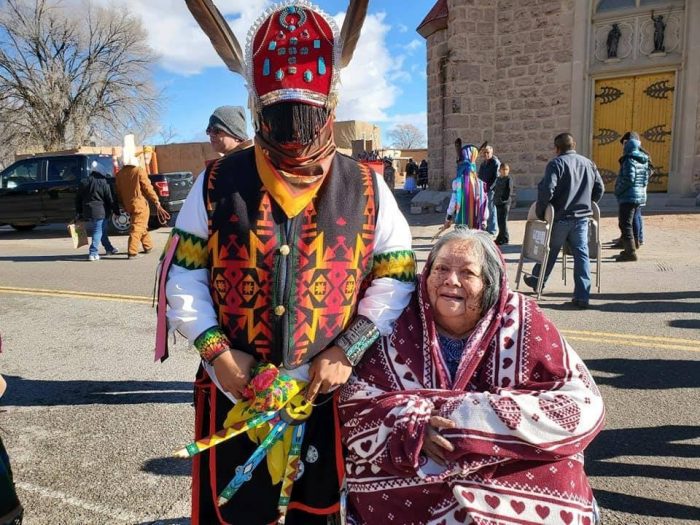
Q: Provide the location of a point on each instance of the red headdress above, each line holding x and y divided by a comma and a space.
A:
294, 51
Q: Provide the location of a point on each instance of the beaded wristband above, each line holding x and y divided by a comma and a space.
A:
357, 338
212, 343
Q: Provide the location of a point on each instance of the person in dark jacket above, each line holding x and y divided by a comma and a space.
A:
423, 175
570, 184
11, 511
631, 192
502, 190
488, 173
95, 201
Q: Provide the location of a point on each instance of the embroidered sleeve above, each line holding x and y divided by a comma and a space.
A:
211, 344
191, 252
399, 265
190, 307
393, 278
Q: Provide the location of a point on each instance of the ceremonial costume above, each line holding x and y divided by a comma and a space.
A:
282, 258
524, 407
468, 202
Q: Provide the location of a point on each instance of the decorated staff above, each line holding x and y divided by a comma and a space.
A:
287, 253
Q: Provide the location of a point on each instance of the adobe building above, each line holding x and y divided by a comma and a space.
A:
518, 72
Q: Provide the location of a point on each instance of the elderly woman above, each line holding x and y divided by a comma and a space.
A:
474, 410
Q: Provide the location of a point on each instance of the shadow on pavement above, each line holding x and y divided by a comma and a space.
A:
35, 392
173, 521
82, 257
645, 506
656, 442
647, 374
634, 302
168, 466
693, 324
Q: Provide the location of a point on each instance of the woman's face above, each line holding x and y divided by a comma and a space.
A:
455, 287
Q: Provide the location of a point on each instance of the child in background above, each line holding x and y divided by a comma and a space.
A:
502, 190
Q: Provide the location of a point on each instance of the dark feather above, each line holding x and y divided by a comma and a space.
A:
217, 29
352, 27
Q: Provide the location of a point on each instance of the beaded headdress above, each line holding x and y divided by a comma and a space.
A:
294, 51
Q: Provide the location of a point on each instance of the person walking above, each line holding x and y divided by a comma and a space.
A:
423, 175
389, 173
631, 192
95, 201
570, 184
488, 173
502, 192
288, 254
135, 191
411, 185
468, 207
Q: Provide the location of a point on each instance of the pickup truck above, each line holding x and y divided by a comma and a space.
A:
41, 189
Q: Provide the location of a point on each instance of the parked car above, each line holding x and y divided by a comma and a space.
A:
41, 189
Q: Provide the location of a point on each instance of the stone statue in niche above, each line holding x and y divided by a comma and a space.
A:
613, 40
659, 30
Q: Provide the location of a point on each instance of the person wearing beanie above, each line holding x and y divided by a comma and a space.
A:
287, 262
227, 130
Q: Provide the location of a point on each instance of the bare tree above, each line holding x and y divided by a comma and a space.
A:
407, 136
167, 134
67, 79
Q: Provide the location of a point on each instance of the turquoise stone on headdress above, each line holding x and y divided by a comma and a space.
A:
266, 67
279, 75
272, 46
308, 76
321, 66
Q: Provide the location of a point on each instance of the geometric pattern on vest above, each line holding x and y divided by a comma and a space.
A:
316, 282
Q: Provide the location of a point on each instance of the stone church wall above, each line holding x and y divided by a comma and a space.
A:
500, 72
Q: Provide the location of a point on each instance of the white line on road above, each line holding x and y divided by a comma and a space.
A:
117, 514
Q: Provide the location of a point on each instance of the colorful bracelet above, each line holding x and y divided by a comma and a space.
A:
357, 338
211, 344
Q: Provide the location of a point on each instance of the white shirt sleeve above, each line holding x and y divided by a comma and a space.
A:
191, 310
386, 298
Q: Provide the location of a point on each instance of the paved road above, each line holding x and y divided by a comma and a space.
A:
90, 421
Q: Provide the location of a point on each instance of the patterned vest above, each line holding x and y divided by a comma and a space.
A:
284, 289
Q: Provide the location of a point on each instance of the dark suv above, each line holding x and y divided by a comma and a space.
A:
41, 189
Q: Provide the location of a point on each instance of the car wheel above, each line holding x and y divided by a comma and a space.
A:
23, 227
120, 224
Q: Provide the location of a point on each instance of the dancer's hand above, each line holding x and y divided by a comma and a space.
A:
329, 370
233, 370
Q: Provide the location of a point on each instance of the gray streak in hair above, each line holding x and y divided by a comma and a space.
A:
492, 269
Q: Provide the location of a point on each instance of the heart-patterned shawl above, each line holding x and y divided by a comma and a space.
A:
524, 404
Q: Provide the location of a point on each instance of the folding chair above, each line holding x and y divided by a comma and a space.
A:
595, 248
536, 245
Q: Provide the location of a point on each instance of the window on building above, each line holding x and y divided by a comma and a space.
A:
614, 5
611, 5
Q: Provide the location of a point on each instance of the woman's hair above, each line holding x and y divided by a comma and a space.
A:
492, 268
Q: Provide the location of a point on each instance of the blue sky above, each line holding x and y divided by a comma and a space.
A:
385, 84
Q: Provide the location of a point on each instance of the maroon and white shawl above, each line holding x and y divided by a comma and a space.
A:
525, 406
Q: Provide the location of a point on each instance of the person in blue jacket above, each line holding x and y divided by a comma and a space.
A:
631, 192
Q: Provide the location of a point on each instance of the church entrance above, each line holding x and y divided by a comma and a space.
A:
642, 103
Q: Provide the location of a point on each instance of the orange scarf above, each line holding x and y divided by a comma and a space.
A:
293, 177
